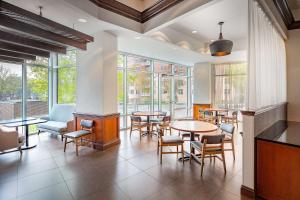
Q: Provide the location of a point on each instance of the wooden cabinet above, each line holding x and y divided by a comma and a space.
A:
277, 171
106, 128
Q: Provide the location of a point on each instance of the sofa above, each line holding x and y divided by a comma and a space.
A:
10, 140
59, 121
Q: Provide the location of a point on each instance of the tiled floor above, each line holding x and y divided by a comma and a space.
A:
129, 171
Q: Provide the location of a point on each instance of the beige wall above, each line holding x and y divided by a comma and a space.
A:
293, 74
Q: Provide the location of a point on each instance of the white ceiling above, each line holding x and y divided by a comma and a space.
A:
205, 21
181, 46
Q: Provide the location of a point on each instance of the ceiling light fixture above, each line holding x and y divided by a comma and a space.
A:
137, 37
221, 47
194, 32
82, 20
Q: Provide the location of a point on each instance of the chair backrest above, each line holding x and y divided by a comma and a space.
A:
86, 124
228, 128
62, 112
135, 120
213, 139
234, 113
166, 119
208, 113
163, 113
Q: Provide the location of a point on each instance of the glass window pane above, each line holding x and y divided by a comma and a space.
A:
162, 68
138, 63
121, 91
67, 76
10, 91
66, 86
41, 61
180, 70
180, 107
121, 60
138, 91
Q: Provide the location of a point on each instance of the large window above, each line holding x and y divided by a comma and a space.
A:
145, 84
66, 80
10, 91
230, 85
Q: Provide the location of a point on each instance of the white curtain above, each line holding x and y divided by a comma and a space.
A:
267, 61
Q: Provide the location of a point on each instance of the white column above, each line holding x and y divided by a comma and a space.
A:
97, 76
202, 83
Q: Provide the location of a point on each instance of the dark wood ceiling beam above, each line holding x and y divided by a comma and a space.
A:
45, 21
11, 60
12, 38
8, 22
22, 49
17, 55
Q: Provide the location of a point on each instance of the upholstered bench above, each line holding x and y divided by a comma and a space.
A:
77, 136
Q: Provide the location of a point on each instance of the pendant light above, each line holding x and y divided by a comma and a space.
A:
221, 47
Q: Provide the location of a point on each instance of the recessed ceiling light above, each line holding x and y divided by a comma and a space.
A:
137, 37
82, 20
194, 32
174, 48
212, 40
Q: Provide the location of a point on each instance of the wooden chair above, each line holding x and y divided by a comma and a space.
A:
155, 122
233, 119
137, 125
169, 140
228, 130
78, 136
209, 117
210, 145
165, 124
201, 115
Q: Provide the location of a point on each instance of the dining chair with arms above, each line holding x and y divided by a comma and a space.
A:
137, 125
154, 122
210, 145
228, 130
169, 140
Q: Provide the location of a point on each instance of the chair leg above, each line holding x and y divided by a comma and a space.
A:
233, 149
65, 144
38, 132
157, 147
191, 157
223, 160
76, 143
62, 137
177, 151
140, 130
20, 149
161, 152
182, 153
202, 163
130, 131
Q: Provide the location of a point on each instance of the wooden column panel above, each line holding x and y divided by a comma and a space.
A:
106, 128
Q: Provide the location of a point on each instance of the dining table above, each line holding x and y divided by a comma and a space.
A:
149, 114
193, 126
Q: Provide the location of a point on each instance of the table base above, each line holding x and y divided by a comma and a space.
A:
23, 148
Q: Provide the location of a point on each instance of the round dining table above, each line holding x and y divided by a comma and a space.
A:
149, 114
193, 126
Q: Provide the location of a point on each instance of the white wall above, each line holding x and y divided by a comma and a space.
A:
293, 74
97, 76
202, 83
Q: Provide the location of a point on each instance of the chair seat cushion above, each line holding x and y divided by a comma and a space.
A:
156, 120
171, 139
77, 134
54, 126
198, 145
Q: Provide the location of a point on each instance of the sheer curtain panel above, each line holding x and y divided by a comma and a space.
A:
267, 61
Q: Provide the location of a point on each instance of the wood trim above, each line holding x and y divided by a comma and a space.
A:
119, 8
262, 110
286, 14
131, 13
158, 8
248, 112
15, 39
248, 192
